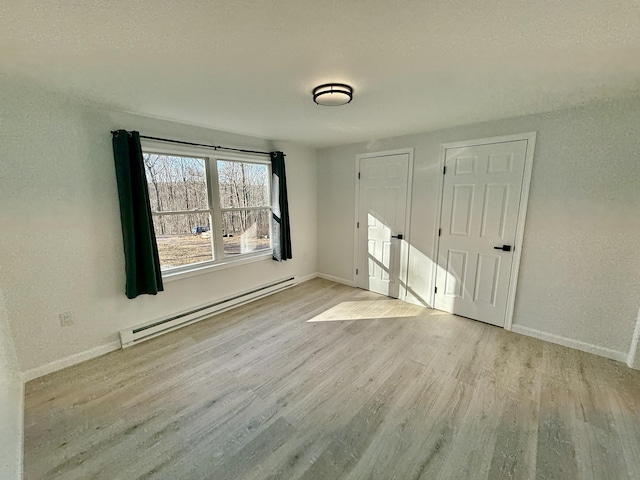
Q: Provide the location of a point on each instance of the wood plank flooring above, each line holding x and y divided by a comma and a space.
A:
323, 381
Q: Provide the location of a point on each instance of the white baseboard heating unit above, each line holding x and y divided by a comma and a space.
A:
134, 335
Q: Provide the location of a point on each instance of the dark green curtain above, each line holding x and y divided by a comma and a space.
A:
281, 228
142, 262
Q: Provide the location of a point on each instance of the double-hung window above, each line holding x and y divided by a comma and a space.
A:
207, 209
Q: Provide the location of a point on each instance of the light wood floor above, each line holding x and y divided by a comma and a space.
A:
323, 381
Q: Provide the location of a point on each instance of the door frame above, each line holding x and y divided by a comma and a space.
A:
530, 137
404, 252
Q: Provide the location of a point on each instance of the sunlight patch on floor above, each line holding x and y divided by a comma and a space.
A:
368, 310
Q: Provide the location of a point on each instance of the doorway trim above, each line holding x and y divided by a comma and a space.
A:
404, 254
530, 138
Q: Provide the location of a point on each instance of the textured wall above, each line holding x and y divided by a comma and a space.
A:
61, 237
580, 268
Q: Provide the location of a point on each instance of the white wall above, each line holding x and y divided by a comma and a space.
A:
580, 271
60, 226
11, 402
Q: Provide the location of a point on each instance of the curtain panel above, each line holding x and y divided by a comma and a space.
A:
142, 262
281, 228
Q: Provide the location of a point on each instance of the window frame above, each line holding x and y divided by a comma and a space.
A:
220, 259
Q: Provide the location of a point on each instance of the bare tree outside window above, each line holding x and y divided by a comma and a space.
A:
183, 217
244, 201
177, 190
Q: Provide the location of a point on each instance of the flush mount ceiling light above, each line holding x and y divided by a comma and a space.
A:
332, 94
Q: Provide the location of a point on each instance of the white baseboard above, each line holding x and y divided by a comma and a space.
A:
336, 279
70, 360
306, 278
571, 343
633, 358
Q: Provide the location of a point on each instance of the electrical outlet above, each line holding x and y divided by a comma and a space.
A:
66, 319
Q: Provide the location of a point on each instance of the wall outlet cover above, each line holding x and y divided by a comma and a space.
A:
66, 319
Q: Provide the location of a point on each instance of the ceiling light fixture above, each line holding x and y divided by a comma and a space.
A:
332, 94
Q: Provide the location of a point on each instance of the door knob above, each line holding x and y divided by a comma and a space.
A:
506, 248
399, 236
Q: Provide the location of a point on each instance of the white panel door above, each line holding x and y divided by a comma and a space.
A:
480, 203
381, 220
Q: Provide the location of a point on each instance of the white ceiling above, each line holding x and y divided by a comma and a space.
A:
249, 66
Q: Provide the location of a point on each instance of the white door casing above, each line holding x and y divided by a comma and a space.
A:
484, 196
382, 211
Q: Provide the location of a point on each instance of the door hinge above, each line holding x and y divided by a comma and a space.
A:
356, 271
358, 175
444, 170
435, 290
439, 231
358, 225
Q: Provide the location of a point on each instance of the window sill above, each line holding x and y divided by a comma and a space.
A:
223, 265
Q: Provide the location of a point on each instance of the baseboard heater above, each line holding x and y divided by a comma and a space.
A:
132, 336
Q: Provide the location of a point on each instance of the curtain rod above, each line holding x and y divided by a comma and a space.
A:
215, 147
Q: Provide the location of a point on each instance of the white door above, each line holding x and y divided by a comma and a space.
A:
382, 208
480, 205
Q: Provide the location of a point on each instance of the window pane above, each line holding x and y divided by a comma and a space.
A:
245, 231
183, 239
243, 184
175, 183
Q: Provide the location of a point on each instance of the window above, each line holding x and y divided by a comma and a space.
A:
207, 210
245, 204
